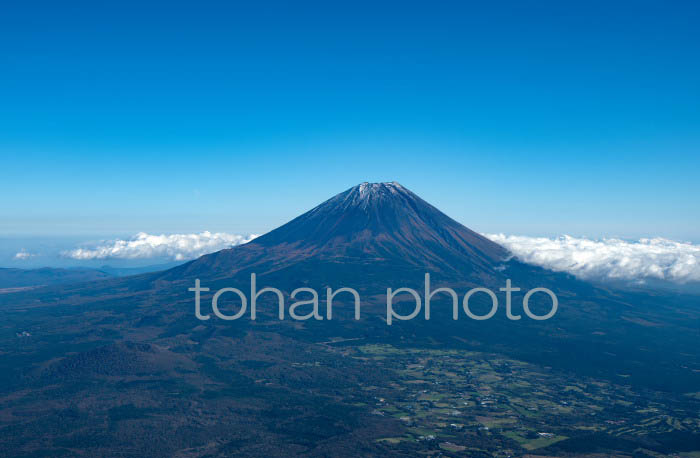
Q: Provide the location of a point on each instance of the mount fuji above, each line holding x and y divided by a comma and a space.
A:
375, 228
124, 361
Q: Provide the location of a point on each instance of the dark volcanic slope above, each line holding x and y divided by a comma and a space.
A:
122, 367
369, 223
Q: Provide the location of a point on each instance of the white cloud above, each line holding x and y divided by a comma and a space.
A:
22, 255
175, 246
614, 259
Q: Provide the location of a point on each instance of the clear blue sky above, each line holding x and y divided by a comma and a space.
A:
516, 117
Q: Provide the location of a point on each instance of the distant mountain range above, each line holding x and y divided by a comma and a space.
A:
46, 276
14, 278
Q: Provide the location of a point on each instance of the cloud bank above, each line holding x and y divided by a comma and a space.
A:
611, 259
589, 259
178, 247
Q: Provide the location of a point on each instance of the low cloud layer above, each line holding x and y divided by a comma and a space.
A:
22, 255
178, 247
612, 259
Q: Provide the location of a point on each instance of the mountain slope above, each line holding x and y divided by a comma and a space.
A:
371, 223
86, 369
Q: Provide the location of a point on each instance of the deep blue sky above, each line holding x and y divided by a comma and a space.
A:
535, 118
